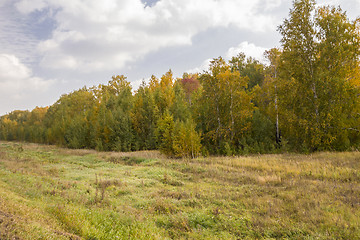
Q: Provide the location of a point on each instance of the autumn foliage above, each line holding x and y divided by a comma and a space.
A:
305, 98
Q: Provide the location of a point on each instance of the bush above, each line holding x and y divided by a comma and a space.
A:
186, 141
178, 139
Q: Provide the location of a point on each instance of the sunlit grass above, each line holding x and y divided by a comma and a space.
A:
48, 192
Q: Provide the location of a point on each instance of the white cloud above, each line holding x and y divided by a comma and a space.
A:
271, 4
3, 2
94, 35
16, 79
15, 36
250, 50
30, 6
203, 67
136, 84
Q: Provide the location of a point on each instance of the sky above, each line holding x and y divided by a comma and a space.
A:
53, 47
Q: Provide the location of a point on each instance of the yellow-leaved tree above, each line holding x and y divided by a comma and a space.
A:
320, 59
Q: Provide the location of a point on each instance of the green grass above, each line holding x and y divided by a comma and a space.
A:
48, 192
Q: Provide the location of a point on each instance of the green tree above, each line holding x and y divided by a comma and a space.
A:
163, 91
248, 67
180, 108
266, 98
8, 128
226, 107
61, 116
165, 132
144, 117
186, 140
34, 128
113, 127
317, 97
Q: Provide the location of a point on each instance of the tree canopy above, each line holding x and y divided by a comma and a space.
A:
305, 98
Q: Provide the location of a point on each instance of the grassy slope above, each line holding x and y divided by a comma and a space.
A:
53, 193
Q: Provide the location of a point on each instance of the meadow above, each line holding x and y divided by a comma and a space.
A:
47, 192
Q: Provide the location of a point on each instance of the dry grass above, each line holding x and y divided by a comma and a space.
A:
83, 194
139, 154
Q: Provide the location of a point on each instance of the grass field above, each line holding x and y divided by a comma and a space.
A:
48, 192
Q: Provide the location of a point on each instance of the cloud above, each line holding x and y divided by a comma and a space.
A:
17, 80
250, 50
15, 34
97, 35
203, 67
30, 6
271, 4
3, 2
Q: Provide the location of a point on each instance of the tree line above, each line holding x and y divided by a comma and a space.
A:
304, 99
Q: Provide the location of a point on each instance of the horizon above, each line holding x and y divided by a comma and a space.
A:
50, 48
